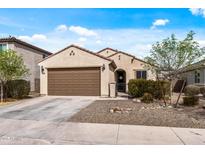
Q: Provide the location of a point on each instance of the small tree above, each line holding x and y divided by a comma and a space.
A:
170, 55
11, 68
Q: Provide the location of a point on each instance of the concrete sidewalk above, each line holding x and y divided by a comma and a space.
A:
14, 131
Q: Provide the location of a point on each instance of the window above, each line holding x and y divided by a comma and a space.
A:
141, 74
3, 47
197, 76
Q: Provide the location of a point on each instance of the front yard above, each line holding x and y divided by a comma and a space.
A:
132, 113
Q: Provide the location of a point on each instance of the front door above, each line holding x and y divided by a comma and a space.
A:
121, 81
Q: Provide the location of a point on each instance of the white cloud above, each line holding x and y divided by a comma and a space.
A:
198, 11
35, 37
134, 41
81, 44
159, 22
25, 38
39, 37
82, 39
82, 31
62, 28
201, 43
98, 41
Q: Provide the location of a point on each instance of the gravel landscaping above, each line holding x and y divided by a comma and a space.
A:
132, 113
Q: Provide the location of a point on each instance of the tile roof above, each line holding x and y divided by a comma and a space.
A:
194, 66
13, 39
118, 51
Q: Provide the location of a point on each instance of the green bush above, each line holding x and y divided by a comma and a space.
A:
191, 90
17, 88
190, 100
147, 98
138, 87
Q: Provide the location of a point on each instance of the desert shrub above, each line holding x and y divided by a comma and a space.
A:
202, 91
147, 98
190, 100
133, 88
161, 87
17, 88
192, 90
138, 87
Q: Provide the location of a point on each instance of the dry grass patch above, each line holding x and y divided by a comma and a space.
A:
8, 101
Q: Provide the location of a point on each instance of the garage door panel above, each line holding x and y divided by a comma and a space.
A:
74, 87
74, 74
74, 81
73, 93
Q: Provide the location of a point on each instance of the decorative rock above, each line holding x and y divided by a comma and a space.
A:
129, 109
200, 95
136, 100
169, 106
120, 110
111, 111
180, 109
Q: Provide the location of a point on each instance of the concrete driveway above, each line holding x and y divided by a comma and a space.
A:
48, 108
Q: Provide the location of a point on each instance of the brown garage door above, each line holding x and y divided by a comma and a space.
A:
74, 81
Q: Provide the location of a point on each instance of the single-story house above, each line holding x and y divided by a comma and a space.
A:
31, 55
80, 72
194, 73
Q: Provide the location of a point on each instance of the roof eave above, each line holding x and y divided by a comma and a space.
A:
15, 40
75, 46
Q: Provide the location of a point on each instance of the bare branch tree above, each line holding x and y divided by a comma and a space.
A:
170, 55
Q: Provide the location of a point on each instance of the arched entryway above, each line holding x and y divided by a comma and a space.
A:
120, 76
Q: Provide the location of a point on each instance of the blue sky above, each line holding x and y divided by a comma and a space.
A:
130, 30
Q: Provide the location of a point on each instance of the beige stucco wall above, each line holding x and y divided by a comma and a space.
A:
130, 65
190, 77
107, 52
80, 59
31, 59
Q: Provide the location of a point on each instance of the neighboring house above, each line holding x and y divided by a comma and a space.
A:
78, 71
31, 55
194, 74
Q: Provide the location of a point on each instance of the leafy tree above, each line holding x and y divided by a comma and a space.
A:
170, 55
11, 68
